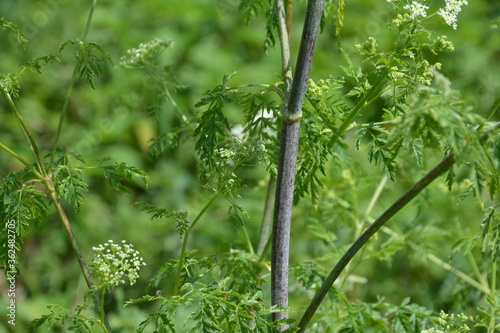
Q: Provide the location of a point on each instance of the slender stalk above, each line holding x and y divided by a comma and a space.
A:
493, 316
289, 141
22, 160
248, 240
26, 131
70, 88
102, 313
484, 288
367, 99
477, 272
289, 17
182, 256
440, 169
79, 256
267, 216
373, 200
360, 225
286, 63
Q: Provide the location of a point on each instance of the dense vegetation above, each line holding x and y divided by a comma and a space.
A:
149, 130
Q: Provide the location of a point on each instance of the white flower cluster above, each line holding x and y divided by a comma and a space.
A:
450, 11
145, 54
416, 9
447, 321
112, 262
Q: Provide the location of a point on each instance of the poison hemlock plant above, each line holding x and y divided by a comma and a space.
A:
304, 135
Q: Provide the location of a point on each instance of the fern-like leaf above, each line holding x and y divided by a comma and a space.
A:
88, 62
37, 63
160, 145
213, 125
119, 172
20, 204
21, 38
10, 84
71, 188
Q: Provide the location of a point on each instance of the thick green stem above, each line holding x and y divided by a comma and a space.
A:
440, 169
182, 256
289, 141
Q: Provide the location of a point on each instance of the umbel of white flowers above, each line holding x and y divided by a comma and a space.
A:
416, 9
449, 13
112, 262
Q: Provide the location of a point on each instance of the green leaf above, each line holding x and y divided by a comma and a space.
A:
182, 221
10, 83
20, 204
89, 64
71, 188
4, 25
161, 144
58, 317
490, 236
37, 63
235, 214
213, 125
119, 172
251, 9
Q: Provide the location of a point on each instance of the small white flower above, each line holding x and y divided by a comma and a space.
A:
416, 10
450, 12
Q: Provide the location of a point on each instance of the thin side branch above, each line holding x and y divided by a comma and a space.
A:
440, 169
267, 216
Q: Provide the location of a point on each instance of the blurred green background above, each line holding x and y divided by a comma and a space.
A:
212, 40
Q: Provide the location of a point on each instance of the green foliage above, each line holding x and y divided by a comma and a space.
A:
61, 317
38, 63
21, 38
251, 9
213, 125
231, 303
10, 84
161, 144
89, 64
490, 236
22, 203
71, 188
181, 219
118, 173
